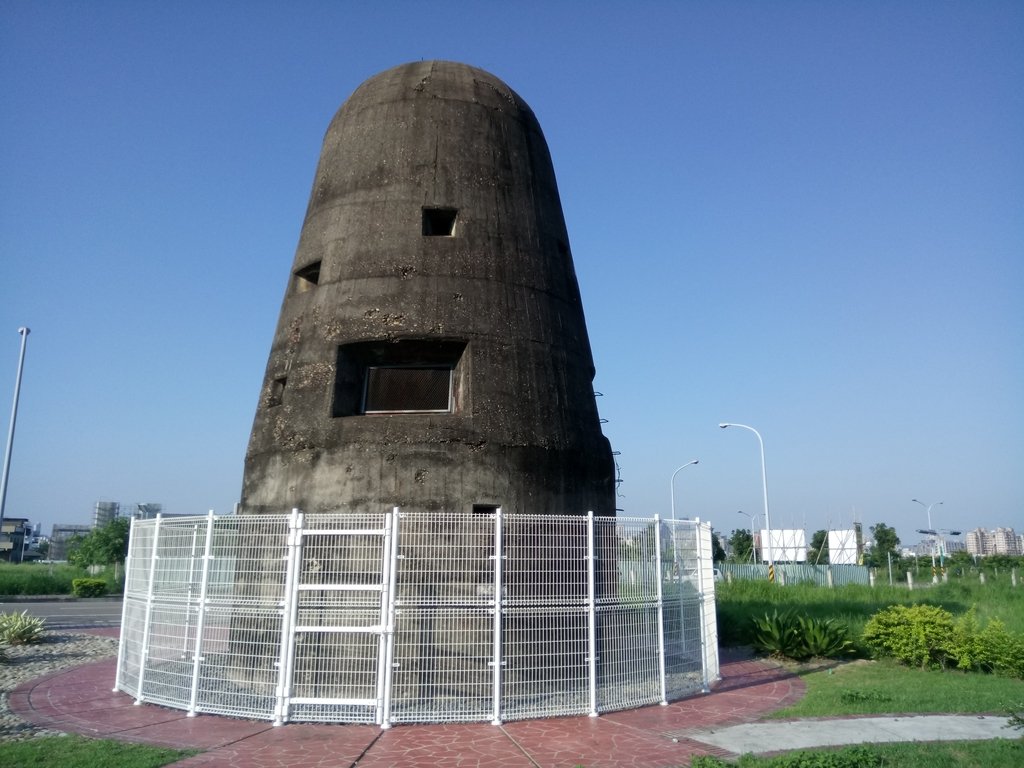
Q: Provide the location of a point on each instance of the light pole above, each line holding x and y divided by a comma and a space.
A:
10, 433
764, 482
931, 532
672, 486
753, 549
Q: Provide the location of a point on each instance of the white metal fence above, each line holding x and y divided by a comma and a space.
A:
408, 617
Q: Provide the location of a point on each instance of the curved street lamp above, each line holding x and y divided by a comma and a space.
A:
672, 485
764, 482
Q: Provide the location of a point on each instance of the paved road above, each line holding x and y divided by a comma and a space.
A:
83, 613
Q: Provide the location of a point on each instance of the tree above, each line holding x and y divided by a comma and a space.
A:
101, 546
817, 553
717, 551
886, 543
742, 546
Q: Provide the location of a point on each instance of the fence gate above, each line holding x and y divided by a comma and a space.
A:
336, 649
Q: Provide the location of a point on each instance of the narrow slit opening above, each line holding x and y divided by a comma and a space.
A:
307, 278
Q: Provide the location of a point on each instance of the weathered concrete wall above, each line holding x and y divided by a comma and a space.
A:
497, 299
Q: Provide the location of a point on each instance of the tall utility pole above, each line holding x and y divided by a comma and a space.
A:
10, 432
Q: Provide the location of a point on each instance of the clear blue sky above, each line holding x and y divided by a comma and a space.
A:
807, 217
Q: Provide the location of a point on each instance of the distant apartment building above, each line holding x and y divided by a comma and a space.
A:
14, 534
1000, 541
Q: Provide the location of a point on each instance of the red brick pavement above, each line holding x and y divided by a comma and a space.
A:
80, 700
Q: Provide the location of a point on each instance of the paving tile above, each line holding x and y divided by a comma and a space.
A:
460, 746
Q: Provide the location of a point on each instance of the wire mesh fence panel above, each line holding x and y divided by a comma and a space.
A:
545, 669
240, 649
168, 672
546, 560
446, 559
130, 651
444, 602
442, 665
630, 673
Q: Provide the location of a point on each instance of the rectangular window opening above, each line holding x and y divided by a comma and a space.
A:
408, 389
307, 278
425, 376
439, 222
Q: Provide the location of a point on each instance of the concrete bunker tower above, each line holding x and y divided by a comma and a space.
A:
431, 355
431, 351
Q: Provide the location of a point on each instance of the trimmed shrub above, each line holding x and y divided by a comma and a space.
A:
927, 636
89, 587
21, 629
964, 645
915, 635
1001, 652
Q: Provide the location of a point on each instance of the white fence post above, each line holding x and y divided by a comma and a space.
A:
188, 593
385, 609
197, 647
499, 556
592, 613
289, 610
389, 647
144, 651
661, 607
698, 530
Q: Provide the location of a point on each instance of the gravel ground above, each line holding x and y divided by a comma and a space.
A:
59, 650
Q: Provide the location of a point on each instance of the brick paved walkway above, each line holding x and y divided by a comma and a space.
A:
80, 700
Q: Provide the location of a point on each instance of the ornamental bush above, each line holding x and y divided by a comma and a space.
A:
928, 636
1001, 651
800, 637
915, 635
89, 587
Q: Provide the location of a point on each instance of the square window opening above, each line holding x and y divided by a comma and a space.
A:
439, 222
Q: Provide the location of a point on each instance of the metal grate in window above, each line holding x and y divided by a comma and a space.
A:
406, 389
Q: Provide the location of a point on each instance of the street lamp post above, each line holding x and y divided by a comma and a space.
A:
672, 486
10, 433
930, 532
764, 482
753, 549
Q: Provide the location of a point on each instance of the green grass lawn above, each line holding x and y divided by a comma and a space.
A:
863, 687
949, 754
80, 752
885, 687
855, 604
